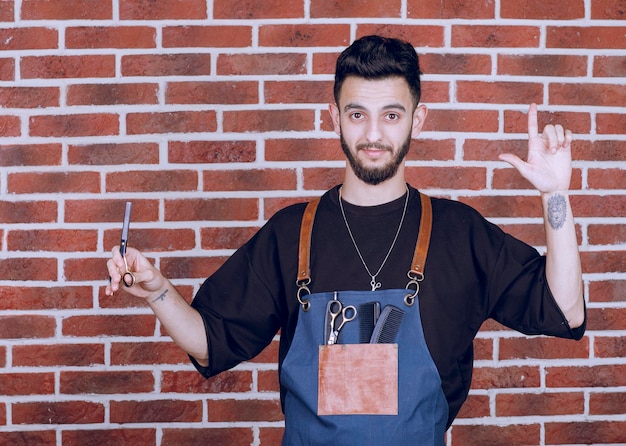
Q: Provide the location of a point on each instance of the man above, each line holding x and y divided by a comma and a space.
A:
410, 343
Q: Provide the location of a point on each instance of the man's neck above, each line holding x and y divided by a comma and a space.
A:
359, 193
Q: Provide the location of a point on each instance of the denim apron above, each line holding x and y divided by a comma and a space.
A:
355, 392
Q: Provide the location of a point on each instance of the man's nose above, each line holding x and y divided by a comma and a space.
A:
373, 133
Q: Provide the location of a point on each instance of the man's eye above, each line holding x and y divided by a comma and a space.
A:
356, 115
393, 116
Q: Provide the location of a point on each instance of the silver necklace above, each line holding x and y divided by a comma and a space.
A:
375, 285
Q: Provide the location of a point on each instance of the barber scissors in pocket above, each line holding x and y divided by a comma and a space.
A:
128, 278
336, 309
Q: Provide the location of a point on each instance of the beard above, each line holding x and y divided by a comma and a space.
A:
375, 175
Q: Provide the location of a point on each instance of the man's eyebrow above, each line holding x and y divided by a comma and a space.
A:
392, 106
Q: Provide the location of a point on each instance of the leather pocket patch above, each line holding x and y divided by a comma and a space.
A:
358, 379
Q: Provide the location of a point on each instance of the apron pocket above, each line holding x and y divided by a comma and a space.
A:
358, 379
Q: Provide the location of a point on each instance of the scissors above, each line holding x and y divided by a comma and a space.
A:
128, 278
336, 308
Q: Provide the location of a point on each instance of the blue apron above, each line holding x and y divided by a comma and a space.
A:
355, 393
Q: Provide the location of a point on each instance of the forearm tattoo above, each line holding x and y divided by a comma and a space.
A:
557, 211
161, 296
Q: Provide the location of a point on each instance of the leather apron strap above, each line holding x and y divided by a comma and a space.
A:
416, 273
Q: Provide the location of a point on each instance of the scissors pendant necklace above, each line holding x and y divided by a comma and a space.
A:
374, 283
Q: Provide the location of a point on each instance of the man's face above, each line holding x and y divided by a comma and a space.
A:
375, 120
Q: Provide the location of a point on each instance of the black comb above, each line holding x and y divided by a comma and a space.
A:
387, 326
368, 315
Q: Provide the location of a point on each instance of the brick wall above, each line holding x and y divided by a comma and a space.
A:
210, 115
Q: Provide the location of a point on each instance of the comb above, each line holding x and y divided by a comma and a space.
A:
368, 315
387, 326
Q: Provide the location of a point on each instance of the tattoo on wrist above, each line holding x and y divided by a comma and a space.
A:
161, 296
557, 211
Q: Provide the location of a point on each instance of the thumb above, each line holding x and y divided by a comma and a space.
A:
513, 160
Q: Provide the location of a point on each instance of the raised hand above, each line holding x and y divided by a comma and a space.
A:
548, 166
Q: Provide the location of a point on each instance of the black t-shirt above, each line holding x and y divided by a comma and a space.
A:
474, 271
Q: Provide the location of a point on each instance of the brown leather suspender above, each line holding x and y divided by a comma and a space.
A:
415, 274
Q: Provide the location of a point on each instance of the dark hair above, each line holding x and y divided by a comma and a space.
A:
376, 57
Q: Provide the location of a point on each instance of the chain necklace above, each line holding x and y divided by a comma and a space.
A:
375, 285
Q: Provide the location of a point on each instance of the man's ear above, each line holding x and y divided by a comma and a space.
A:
419, 116
333, 109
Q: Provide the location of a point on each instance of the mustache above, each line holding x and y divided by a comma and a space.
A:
374, 145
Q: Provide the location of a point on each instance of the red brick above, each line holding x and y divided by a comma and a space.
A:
7, 69
269, 121
166, 65
603, 261
45, 298
593, 37
212, 93
601, 150
62, 355
10, 126
244, 410
155, 240
236, 436
171, 122
609, 347
231, 381
449, 177
163, 9
7, 13
499, 92
99, 383
30, 155
268, 355
304, 35
506, 206
543, 10
26, 327
273, 205
543, 404
112, 94
533, 235
449, 63
462, 121
113, 154
30, 38
607, 291
324, 63
152, 181
609, 403
607, 318
610, 123
483, 349
200, 152
59, 412
509, 435
257, 9
29, 97
542, 348
60, 240
191, 267
92, 124
435, 92
110, 37
270, 435
109, 325
586, 432
608, 9
261, 64
355, 8
225, 238
517, 122
322, 178
14, 384
606, 95
207, 36
156, 411
542, 65
85, 269
493, 36
251, 179
315, 149
89, 211
591, 376
66, 10
506, 377
609, 66
298, 92
131, 353
110, 437
606, 178
450, 9
268, 381
24, 268
475, 406
64, 67
53, 182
